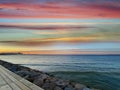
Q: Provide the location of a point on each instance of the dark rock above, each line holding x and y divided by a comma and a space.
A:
51, 79
86, 89
72, 84
38, 82
48, 86
69, 88
43, 76
57, 88
23, 73
79, 87
61, 83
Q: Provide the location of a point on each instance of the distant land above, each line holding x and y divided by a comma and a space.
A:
10, 53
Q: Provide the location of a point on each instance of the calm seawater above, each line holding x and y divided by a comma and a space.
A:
98, 71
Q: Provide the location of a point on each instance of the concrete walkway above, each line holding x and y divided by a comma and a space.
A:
11, 81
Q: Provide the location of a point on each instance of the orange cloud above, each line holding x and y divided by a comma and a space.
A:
52, 41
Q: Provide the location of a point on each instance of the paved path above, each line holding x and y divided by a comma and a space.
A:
11, 81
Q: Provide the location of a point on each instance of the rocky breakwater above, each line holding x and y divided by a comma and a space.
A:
42, 79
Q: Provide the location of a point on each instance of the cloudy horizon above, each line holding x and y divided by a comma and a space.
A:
60, 27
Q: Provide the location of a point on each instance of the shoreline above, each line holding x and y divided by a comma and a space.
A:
43, 79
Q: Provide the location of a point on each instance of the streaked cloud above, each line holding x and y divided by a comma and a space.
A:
51, 27
57, 9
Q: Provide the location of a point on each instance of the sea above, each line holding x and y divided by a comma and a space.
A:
97, 71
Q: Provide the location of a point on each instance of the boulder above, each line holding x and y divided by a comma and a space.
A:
86, 89
38, 82
68, 88
79, 86
48, 86
58, 88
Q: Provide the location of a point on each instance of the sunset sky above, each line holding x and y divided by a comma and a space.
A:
60, 26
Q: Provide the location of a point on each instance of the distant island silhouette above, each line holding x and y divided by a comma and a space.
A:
10, 53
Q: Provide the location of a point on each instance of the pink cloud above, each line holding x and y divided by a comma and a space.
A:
55, 10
